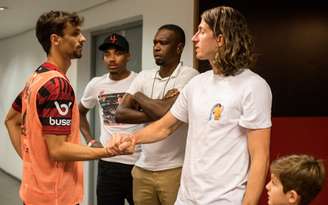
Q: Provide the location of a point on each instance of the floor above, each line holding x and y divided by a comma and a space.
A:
9, 190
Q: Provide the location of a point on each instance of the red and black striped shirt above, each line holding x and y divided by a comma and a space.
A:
55, 101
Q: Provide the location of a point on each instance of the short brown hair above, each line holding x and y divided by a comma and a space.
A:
302, 173
54, 22
237, 52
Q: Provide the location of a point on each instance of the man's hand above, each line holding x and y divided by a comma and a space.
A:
135, 105
121, 144
171, 93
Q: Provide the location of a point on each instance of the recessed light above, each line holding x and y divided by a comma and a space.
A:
2, 8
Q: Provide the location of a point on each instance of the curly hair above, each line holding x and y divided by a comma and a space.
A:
237, 51
54, 22
302, 173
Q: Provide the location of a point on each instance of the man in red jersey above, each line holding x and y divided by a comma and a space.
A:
43, 122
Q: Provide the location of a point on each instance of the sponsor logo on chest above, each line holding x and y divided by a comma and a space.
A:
59, 122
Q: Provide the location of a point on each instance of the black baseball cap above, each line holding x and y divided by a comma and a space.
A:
115, 41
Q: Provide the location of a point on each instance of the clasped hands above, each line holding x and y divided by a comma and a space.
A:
121, 144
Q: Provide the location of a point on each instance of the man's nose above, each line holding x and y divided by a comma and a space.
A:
157, 47
111, 58
267, 186
83, 39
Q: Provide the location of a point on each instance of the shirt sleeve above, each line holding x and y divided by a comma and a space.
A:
55, 101
136, 84
180, 108
256, 105
17, 104
89, 98
186, 75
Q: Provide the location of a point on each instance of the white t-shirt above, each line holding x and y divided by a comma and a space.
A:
168, 153
106, 93
219, 110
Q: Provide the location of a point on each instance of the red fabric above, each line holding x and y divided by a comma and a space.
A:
57, 90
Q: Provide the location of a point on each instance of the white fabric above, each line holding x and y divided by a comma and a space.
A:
106, 93
168, 153
217, 159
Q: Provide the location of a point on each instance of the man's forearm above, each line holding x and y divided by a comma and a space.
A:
259, 149
131, 116
256, 180
128, 112
154, 108
13, 124
74, 152
14, 132
85, 129
158, 130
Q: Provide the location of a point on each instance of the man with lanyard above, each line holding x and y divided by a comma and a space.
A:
156, 175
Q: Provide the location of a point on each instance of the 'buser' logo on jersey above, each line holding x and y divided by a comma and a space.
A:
63, 108
59, 122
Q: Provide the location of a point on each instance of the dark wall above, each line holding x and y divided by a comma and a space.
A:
292, 44
291, 40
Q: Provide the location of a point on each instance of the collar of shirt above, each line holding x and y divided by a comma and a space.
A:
173, 75
51, 66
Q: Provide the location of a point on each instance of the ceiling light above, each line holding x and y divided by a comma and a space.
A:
2, 8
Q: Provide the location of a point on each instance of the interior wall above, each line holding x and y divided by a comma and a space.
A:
19, 56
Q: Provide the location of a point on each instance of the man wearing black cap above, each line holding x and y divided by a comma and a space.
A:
114, 183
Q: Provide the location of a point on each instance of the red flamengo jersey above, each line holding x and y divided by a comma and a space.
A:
54, 103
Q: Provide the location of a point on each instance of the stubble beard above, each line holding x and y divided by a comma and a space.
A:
76, 54
160, 62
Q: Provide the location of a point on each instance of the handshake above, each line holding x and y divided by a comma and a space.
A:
121, 144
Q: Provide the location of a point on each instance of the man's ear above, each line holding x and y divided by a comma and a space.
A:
220, 40
180, 48
128, 56
55, 39
293, 197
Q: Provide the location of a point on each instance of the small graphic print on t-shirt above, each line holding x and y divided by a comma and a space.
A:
216, 112
109, 104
